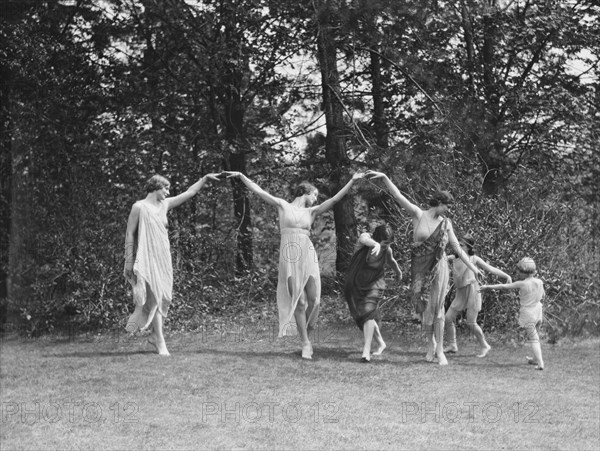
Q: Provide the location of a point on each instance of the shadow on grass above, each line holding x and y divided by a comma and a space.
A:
93, 354
325, 355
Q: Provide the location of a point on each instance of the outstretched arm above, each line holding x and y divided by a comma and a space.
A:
503, 286
452, 241
329, 203
268, 198
408, 206
176, 201
492, 269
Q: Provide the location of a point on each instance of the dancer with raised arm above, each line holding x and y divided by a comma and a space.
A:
432, 232
148, 266
299, 281
365, 284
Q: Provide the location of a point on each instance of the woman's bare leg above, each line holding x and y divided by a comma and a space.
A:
379, 338
157, 338
300, 317
368, 329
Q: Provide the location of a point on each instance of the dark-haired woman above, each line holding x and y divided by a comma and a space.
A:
365, 284
148, 266
467, 296
432, 231
299, 281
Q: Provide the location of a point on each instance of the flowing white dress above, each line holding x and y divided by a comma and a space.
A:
298, 262
153, 270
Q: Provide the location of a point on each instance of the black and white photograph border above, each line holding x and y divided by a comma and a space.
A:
331, 224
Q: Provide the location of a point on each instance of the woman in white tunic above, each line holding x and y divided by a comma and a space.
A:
299, 281
148, 266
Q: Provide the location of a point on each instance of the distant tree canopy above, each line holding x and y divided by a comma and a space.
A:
497, 101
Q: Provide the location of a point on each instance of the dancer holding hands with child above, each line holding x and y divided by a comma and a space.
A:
432, 232
299, 281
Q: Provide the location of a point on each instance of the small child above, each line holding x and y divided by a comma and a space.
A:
467, 296
531, 292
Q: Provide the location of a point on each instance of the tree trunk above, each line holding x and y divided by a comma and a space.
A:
5, 188
379, 119
235, 136
21, 247
490, 149
335, 145
241, 211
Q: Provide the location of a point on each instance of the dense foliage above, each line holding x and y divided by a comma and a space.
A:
496, 101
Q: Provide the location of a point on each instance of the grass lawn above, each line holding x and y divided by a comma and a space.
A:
248, 391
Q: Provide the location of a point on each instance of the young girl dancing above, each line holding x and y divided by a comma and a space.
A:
531, 292
467, 296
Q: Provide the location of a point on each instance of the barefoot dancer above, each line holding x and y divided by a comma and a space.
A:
467, 296
299, 281
531, 292
148, 265
429, 265
365, 284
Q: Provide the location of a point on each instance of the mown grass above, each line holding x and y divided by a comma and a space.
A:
237, 390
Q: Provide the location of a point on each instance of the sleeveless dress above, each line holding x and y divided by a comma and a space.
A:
467, 288
153, 269
298, 262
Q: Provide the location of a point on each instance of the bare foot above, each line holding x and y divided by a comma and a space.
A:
484, 351
380, 349
430, 355
531, 361
451, 349
161, 347
442, 359
307, 351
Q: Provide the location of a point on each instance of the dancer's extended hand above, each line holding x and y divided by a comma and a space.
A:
215, 176
374, 174
232, 174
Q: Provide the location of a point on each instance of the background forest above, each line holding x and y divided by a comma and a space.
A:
496, 101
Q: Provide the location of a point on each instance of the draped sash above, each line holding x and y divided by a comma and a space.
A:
427, 258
